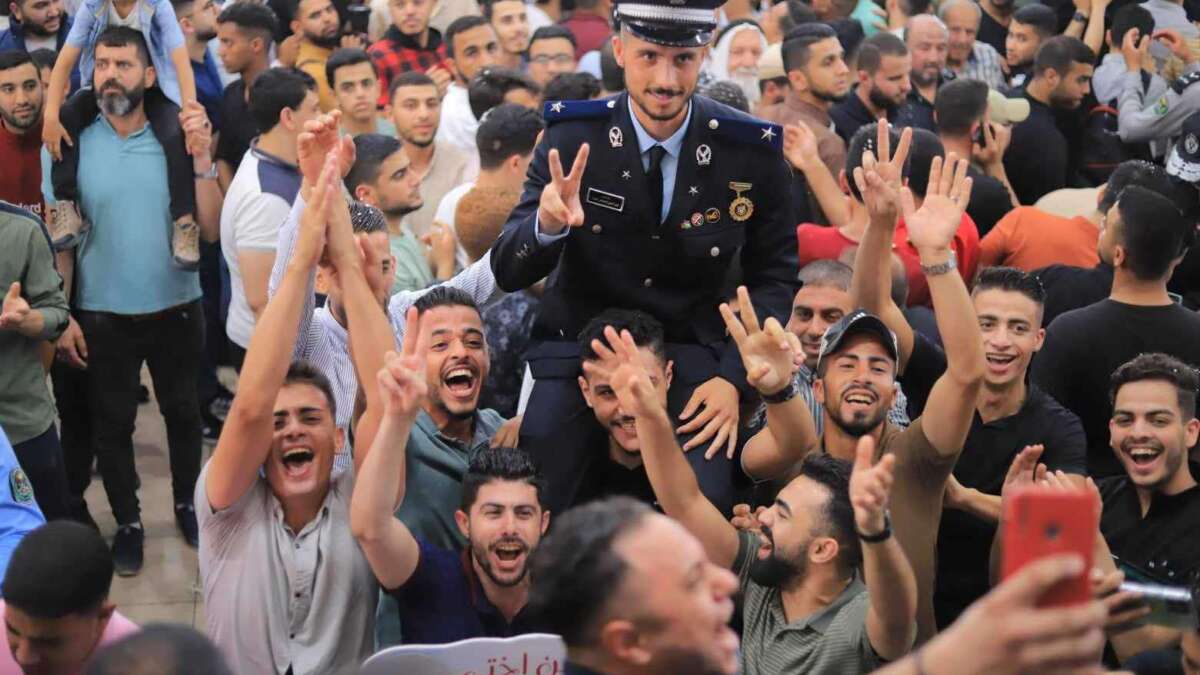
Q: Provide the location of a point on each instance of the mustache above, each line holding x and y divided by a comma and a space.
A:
1129, 443
664, 92
513, 541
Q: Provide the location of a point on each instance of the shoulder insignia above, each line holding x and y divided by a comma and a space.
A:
749, 131
1184, 81
562, 111
22, 489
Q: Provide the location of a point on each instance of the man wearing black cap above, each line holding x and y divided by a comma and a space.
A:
677, 191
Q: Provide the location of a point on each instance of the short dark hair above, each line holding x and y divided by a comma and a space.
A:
500, 464
1128, 18
798, 13
1135, 172
646, 331
275, 89
251, 17
1060, 53
612, 75
60, 568
572, 87
15, 59
124, 36
872, 50
553, 32
1041, 17
1158, 366
925, 146
340, 58
160, 648
43, 58
411, 78
959, 104
304, 372
179, 5
506, 130
370, 150
864, 139
799, 42
445, 296
1153, 232
826, 273
459, 25
838, 520
576, 570
1013, 280
487, 89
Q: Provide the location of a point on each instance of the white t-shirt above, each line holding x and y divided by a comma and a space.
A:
35, 42
445, 214
132, 21
256, 205
458, 126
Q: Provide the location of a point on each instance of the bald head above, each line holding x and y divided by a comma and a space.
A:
928, 41
922, 25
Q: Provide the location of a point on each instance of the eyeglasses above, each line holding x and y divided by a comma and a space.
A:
547, 59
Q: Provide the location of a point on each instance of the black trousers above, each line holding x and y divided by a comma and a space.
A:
561, 432
211, 286
81, 109
75, 427
41, 458
171, 343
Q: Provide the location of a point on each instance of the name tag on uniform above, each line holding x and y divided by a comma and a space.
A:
605, 200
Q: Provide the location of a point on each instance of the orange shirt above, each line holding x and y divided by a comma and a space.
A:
1030, 239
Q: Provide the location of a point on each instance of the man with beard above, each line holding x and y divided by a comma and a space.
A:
445, 595
198, 21
471, 46
381, 177
37, 24
967, 57
509, 20
1031, 25
993, 25
440, 167
678, 188
734, 57
21, 98
1039, 158
316, 23
245, 33
826, 532
136, 309
928, 40
286, 587
860, 358
883, 85
261, 194
410, 45
817, 72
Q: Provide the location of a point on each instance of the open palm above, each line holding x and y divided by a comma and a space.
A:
935, 223
768, 352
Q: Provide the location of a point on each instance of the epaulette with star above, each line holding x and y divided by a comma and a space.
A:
751, 132
563, 111
1184, 81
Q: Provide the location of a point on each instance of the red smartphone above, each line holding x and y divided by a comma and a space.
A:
1040, 522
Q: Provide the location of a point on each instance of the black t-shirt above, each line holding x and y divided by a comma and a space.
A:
238, 127
1084, 346
849, 114
1068, 287
1037, 160
989, 201
991, 32
1163, 543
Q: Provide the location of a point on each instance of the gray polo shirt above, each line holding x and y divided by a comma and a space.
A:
832, 641
276, 599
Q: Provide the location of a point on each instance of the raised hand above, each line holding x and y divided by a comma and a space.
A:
880, 178
1172, 40
871, 487
560, 207
800, 146
745, 519
1135, 49
932, 227
440, 248
508, 435
441, 78
317, 211
1023, 471
768, 352
998, 137
319, 138
15, 309
620, 364
402, 379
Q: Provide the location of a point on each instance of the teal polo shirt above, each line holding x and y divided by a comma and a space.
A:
124, 263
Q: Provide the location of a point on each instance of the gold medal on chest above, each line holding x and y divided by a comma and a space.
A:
741, 208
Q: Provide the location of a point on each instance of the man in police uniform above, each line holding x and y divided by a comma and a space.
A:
665, 193
1158, 121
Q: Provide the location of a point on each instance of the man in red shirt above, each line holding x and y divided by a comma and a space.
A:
589, 24
410, 43
21, 96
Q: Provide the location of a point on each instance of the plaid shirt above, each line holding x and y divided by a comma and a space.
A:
397, 53
984, 64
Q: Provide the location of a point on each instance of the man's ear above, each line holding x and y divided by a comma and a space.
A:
670, 371
463, 522
586, 391
621, 640
797, 79
618, 48
150, 77
295, 25
823, 550
818, 389
366, 194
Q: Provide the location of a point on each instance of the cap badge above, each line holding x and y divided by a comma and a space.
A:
703, 155
1191, 144
615, 137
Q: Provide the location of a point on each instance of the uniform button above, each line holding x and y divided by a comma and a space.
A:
714, 251
611, 103
596, 229
713, 124
648, 282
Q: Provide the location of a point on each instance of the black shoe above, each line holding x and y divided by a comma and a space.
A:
185, 518
127, 550
81, 514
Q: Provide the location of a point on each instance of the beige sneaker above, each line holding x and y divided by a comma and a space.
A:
185, 243
67, 225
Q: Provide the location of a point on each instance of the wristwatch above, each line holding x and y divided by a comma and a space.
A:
883, 535
951, 264
783, 395
211, 174
1080, 17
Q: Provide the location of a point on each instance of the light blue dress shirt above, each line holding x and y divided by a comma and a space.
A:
19, 513
669, 165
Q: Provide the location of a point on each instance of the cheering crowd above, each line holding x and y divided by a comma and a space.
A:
711, 338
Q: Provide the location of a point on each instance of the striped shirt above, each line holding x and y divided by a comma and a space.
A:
984, 64
324, 342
